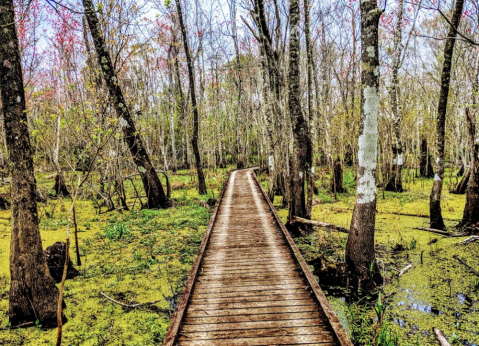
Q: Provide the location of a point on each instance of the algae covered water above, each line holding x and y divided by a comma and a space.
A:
437, 291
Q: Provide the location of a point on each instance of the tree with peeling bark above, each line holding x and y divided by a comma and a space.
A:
435, 213
194, 139
297, 207
33, 294
151, 182
360, 253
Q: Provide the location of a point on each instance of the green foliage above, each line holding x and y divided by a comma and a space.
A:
369, 327
387, 337
349, 179
380, 308
359, 323
115, 231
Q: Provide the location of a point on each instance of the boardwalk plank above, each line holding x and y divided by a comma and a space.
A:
264, 310
253, 318
305, 322
197, 306
323, 339
254, 333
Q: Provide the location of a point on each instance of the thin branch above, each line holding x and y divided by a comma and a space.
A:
128, 306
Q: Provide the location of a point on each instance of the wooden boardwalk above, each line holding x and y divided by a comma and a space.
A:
249, 284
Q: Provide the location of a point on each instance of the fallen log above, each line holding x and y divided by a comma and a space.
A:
438, 231
320, 224
406, 268
440, 337
433, 230
463, 262
424, 216
412, 215
127, 305
469, 240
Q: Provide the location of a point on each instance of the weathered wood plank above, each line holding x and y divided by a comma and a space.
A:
265, 310
271, 266
263, 276
304, 322
255, 298
247, 285
198, 306
275, 340
258, 293
199, 320
255, 333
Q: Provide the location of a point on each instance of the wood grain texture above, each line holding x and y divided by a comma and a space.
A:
248, 285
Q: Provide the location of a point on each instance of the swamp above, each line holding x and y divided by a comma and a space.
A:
239, 172
145, 255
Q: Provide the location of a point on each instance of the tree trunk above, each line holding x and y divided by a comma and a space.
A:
435, 212
337, 178
395, 179
60, 186
56, 151
272, 92
297, 205
194, 139
471, 209
360, 253
151, 182
33, 294
240, 161
461, 188
425, 165
172, 110
309, 152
